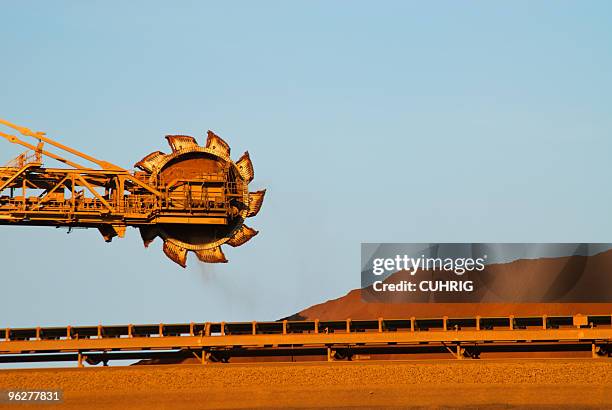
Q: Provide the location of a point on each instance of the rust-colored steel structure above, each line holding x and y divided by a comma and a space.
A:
194, 198
340, 339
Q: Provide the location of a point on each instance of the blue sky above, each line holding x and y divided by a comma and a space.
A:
366, 121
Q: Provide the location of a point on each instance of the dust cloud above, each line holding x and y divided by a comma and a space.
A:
230, 287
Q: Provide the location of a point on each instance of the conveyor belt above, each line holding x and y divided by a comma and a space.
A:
339, 339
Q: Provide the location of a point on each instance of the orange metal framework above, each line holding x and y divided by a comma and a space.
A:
109, 198
219, 341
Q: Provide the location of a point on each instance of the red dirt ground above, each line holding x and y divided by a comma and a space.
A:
495, 384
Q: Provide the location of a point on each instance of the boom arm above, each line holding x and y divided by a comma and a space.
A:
37, 149
41, 137
195, 198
